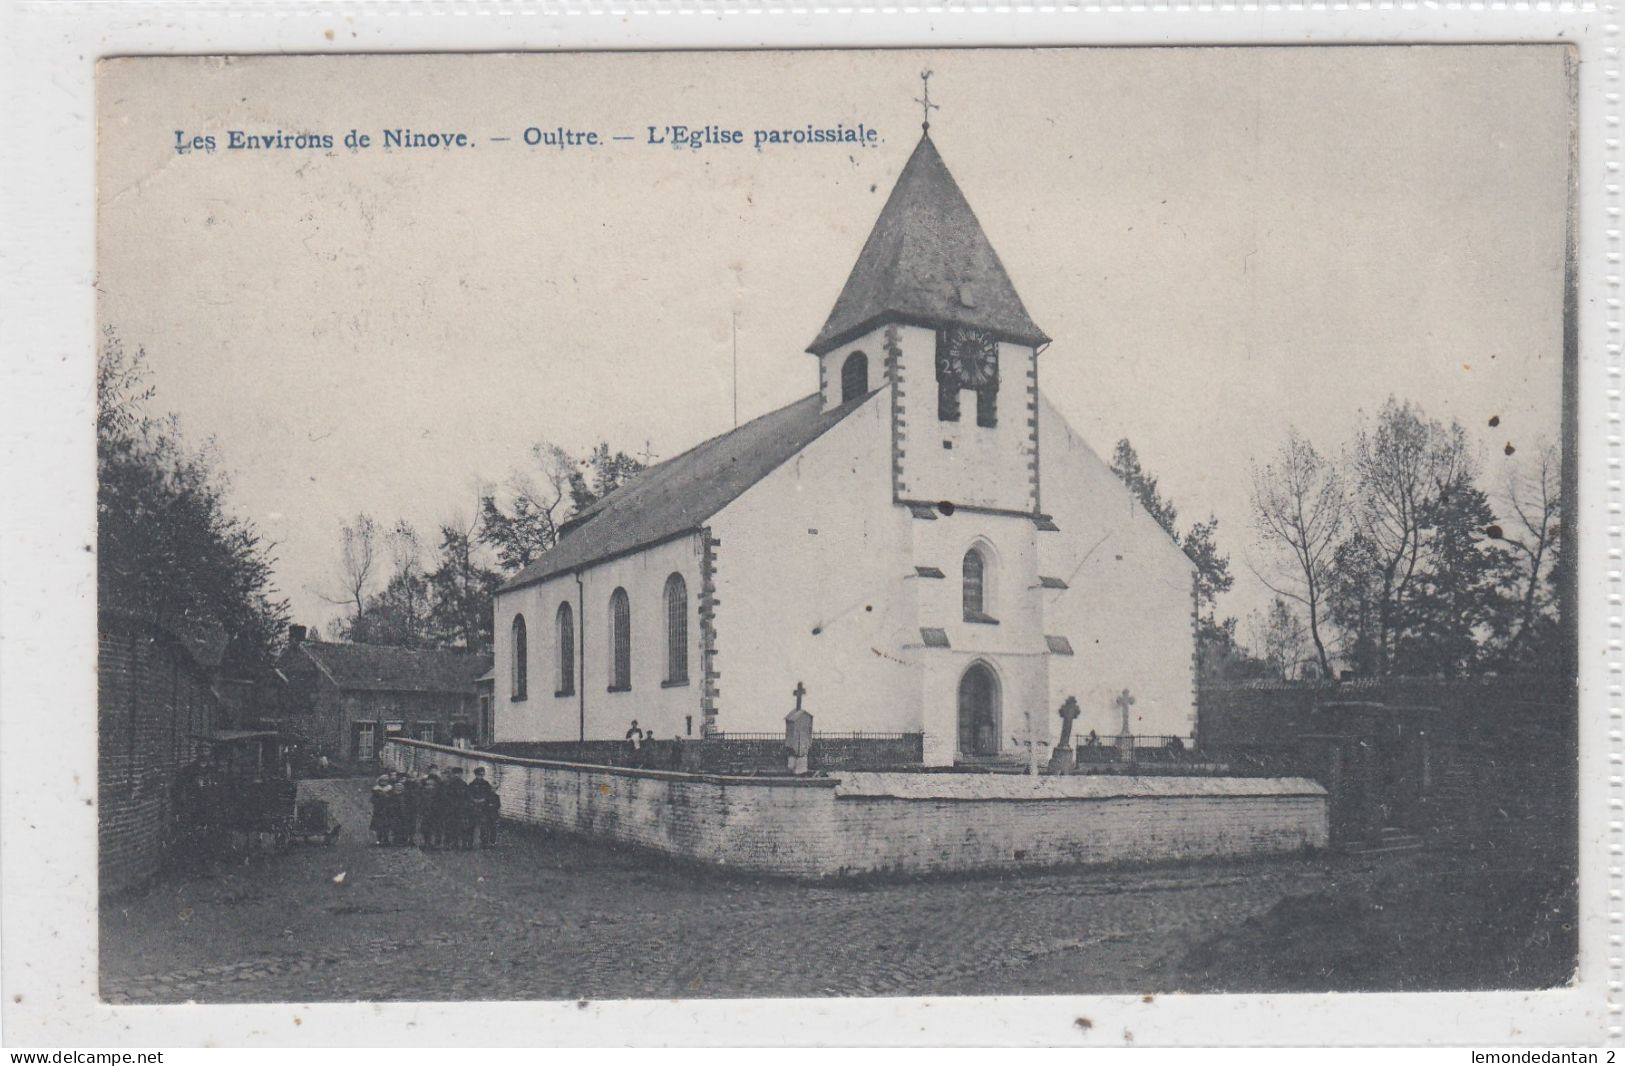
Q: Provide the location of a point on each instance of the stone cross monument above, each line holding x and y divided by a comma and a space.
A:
1125, 738
798, 734
1062, 758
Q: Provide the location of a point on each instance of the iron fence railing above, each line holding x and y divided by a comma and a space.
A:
817, 736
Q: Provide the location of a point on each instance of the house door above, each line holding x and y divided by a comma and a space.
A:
978, 711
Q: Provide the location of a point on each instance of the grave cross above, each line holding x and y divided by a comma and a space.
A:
1125, 701
800, 691
1069, 714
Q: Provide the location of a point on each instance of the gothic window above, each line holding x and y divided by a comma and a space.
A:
567, 651
620, 642
975, 586
854, 377
677, 629
520, 657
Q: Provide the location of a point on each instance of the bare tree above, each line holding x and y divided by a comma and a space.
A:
527, 523
1533, 500
1300, 509
1278, 639
358, 561
1404, 469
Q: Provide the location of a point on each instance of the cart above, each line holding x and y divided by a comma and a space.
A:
313, 823
246, 785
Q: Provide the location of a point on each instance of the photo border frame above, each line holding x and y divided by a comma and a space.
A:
47, 574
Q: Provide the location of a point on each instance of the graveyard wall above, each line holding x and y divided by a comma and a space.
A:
859, 823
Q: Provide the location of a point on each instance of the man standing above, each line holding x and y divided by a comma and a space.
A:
455, 807
412, 811
487, 807
430, 803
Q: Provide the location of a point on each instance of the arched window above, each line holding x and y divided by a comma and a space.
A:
974, 573
854, 377
620, 642
521, 657
676, 630
567, 651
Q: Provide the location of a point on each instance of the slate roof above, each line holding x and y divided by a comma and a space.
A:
678, 495
927, 261
385, 668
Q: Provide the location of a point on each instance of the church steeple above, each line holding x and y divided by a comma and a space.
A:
928, 263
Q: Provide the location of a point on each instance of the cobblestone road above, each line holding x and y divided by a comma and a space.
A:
544, 917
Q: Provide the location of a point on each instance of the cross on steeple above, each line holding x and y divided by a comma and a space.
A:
926, 106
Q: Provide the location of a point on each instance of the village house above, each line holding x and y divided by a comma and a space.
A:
923, 545
348, 698
156, 703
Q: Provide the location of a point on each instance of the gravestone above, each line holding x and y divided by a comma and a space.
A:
1063, 758
798, 734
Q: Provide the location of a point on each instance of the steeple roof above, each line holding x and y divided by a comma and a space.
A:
927, 262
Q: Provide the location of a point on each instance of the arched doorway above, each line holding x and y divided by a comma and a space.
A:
978, 711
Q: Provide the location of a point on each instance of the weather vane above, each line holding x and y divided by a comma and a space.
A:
926, 106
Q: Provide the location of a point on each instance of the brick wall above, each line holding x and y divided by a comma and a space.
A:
151, 699
1272, 714
901, 823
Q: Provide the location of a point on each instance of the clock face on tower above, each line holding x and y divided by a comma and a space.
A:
969, 356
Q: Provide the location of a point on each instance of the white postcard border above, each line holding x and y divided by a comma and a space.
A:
47, 587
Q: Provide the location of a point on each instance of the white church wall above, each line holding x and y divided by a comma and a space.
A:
818, 545
1014, 647
1128, 609
960, 461
668, 709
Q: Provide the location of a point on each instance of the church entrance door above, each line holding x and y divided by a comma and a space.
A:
978, 711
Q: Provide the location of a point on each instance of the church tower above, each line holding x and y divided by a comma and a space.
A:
929, 310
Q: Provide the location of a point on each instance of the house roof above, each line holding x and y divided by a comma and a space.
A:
927, 261
678, 495
384, 668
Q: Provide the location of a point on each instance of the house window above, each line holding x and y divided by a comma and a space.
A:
425, 731
365, 742
677, 629
567, 651
854, 377
620, 642
520, 657
974, 573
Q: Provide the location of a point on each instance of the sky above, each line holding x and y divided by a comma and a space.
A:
1223, 243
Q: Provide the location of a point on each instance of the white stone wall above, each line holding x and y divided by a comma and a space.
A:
858, 824
1128, 610
815, 584
670, 710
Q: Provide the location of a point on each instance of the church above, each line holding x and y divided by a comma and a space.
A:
923, 544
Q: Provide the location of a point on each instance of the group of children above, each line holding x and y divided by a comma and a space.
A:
445, 810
